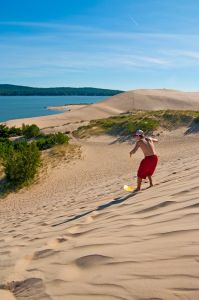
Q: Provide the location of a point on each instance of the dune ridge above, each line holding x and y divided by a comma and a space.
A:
115, 105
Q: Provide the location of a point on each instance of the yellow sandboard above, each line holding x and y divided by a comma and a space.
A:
129, 188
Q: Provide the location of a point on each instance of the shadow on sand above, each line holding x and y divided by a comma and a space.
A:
193, 128
115, 201
122, 139
5, 188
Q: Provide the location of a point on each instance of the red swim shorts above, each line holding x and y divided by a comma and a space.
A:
147, 166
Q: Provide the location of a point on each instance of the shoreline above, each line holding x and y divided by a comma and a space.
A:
68, 107
58, 110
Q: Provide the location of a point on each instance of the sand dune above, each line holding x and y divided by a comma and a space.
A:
121, 103
153, 100
77, 235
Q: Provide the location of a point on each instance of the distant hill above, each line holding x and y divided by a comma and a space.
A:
153, 99
17, 90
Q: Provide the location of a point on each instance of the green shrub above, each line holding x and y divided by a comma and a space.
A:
4, 140
130, 128
21, 161
48, 141
59, 138
42, 143
147, 124
109, 123
148, 121
129, 125
5, 145
7, 132
30, 131
14, 131
4, 131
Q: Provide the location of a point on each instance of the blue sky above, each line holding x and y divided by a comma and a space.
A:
116, 44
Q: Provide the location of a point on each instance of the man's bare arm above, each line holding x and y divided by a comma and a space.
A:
152, 139
137, 145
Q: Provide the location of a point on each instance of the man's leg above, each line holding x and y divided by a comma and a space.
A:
150, 181
154, 162
139, 182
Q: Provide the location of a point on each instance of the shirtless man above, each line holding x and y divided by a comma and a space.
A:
149, 163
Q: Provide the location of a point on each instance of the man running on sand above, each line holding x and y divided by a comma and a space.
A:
149, 163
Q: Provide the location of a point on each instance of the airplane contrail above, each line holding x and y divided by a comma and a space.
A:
134, 21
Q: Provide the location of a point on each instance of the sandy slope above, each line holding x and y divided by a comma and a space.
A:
69, 107
121, 103
77, 235
154, 100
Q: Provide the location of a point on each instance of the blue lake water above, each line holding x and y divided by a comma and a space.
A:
15, 107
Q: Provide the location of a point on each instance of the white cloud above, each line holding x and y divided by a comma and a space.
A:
50, 58
47, 25
94, 31
185, 53
105, 49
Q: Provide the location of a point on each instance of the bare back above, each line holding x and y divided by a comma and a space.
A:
147, 146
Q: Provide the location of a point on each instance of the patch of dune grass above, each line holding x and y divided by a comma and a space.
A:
89, 130
65, 152
60, 154
148, 121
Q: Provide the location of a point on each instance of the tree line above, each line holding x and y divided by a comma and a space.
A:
16, 90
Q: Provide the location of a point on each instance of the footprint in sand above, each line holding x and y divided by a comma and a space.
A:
74, 270
89, 220
92, 260
54, 243
197, 259
4, 252
73, 229
91, 217
44, 253
26, 289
